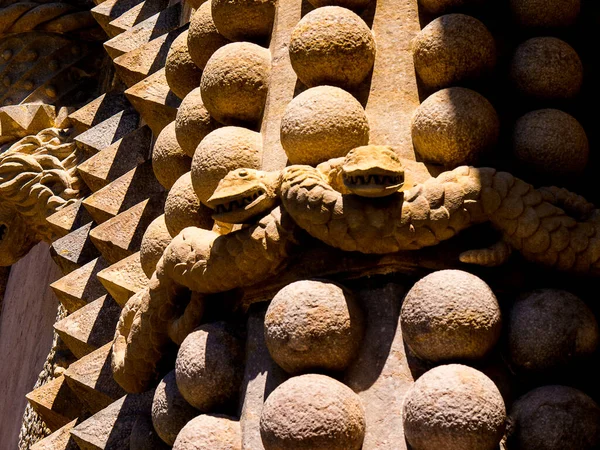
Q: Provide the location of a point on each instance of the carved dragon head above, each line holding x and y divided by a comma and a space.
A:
372, 171
244, 194
38, 176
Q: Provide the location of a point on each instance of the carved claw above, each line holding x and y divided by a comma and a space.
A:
492, 256
573, 204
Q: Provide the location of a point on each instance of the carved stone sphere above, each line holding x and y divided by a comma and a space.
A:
450, 315
542, 14
203, 37
143, 436
244, 20
333, 46
323, 122
554, 418
454, 407
210, 432
193, 122
550, 329
313, 325
442, 6
235, 83
169, 161
209, 366
551, 142
220, 152
547, 68
183, 209
156, 238
453, 49
454, 127
170, 411
310, 412
181, 72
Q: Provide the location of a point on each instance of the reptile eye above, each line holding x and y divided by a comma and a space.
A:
243, 173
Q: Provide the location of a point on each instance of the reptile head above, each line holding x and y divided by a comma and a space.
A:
372, 171
244, 194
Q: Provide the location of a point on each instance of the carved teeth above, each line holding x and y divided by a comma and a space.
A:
374, 179
238, 203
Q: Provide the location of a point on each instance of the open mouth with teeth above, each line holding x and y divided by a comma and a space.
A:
233, 209
372, 184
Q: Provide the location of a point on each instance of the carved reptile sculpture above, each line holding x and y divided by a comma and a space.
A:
354, 203
38, 176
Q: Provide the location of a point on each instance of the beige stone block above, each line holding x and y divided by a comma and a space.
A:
56, 403
61, 439
109, 10
110, 429
68, 219
134, 66
18, 121
137, 14
110, 130
75, 249
123, 279
126, 191
90, 327
91, 379
121, 236
81, 286
98, 110
142, 33
155, 101
116, 159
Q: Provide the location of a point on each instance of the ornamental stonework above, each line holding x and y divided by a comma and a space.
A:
329, 224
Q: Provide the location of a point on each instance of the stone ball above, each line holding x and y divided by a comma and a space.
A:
551, 142
541, 14
437, 7
169, 161
181, 72
453, 49
546, 68
183, 209
454, 126
450, 315
210, 432
554, 418
235, 82
323, 122
143, 436
313, 325
332, 45
244, 20
203, 37
454, 407
312, 411
170, 411
209, 366
550, 329
220, 152
193, 122
155, 240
